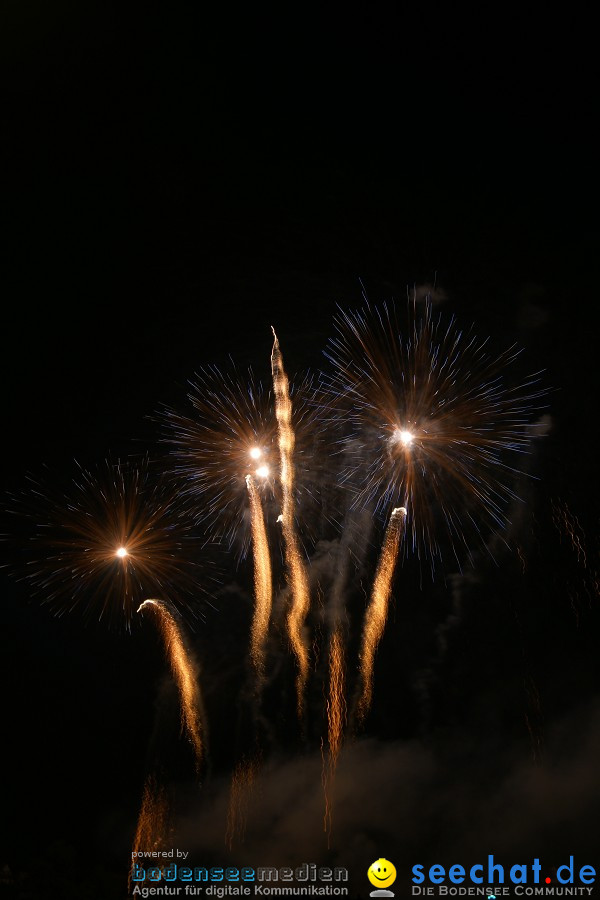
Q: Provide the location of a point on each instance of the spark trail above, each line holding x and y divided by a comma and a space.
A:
185, 675
152, 832
567, 523
242, 785
377, 610
263, 591
336, 720
297, 576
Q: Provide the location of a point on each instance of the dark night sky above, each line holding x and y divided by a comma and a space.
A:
172, 186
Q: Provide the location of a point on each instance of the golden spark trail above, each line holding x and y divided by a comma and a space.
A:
152, 832
336, 720
263, 592
377, 609
242, 785
566, 522
336, 705
184, 674
297, 576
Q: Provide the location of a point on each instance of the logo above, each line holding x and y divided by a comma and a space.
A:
381, 874
493, 873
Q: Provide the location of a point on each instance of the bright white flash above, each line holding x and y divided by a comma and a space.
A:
403, 437
263, 471
122, 552
256, 453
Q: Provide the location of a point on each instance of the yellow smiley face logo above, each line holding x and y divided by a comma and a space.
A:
382, 873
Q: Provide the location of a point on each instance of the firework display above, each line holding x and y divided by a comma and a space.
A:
231, 432
436, 423
108, 542
411, 446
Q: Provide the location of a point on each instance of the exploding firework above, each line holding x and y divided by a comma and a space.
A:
110, 541
231, 433
185, 674
263, 591
297, 575
426, 425
432, 423
377, 610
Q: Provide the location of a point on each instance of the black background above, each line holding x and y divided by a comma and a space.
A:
174, 183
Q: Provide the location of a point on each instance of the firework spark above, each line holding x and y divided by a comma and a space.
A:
153, 829
587, 579
297, 574
231, 433
243, 782
185, 675
336, 720
567, 523
377, 610
428, 421
262, 580
107, 543
431, 420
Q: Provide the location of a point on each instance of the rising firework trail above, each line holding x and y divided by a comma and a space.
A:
153, 831
185, 675
263, 590
243, 783
377, 610
352, 547
336, 720
298, 579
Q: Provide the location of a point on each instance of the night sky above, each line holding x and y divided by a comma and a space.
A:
175, 183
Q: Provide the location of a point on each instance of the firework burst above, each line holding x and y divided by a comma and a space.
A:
432, 422
424, 429
230, 433
108, 543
